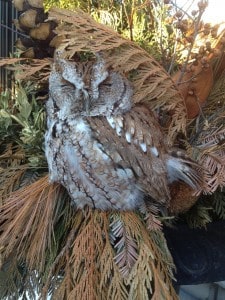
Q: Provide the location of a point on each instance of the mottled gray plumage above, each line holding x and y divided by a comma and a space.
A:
106, 151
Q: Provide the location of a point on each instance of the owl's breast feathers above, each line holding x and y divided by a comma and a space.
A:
84, 166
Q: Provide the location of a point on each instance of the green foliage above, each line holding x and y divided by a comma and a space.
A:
67, 4
199, 215
208, 208
162, 28
22, 122
218, 203
150, 24
14, 281
5, 117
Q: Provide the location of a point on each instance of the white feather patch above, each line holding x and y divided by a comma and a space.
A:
143, 147
99, 148
129, 173
80, 125
154, 151
120, 121
132, 130
111, 122
118, 130
173, 169
128, 137
176, 169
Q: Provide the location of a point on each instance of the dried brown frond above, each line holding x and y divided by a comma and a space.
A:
12, 169
29, 69
108, 267
90, 272
10, 61
150, 273
112, 256
150, 213
152, 85
152, 222
213, 159
10, 180
208, 137
36, 69
125, 245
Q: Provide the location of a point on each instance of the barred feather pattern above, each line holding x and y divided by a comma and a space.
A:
108, 152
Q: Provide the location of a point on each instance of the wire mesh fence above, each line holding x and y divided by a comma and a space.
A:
8, 37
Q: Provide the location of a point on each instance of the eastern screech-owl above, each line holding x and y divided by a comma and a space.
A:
108, 152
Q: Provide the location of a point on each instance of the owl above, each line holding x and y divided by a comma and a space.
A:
109, 153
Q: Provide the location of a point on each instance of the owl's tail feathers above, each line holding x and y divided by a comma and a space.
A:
181, 167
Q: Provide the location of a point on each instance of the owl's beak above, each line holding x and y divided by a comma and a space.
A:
87, 101
87, 105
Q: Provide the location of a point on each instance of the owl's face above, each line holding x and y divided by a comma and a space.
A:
114, 96
84, 89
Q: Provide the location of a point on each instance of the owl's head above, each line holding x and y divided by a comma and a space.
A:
89, 88
112, 96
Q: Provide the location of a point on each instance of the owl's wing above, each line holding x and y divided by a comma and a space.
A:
134, 140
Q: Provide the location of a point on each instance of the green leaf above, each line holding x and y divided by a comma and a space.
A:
23, 105
5, 119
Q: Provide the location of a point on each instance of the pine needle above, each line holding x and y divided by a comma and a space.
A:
27, 222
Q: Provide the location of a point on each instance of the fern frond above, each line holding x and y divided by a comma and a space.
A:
149, 274
207, 137
35, 69
12, 169
125, 246
218, 203
199, 215
28, 69
10, 61
112, 283
150, 213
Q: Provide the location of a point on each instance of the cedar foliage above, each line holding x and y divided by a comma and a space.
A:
46, 244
